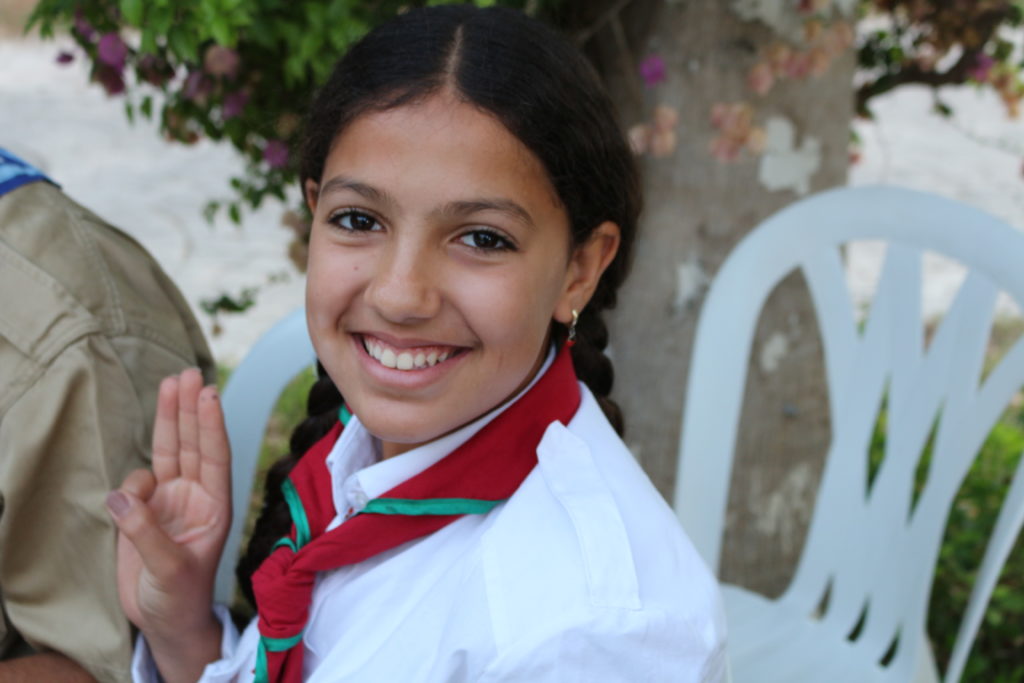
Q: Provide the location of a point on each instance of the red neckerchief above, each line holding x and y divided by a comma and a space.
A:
485, 470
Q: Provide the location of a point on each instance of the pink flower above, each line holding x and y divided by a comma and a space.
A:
220, 61
154, 70
778, 55
761, 78
799, 65
842, 35
812, 6
65, 57
83, 28
234, 104
757, 138
276, 154
196, 87
665, 117
110, 78
653, 71
820, 61
112, 51
663, 143
724, 148
981, 68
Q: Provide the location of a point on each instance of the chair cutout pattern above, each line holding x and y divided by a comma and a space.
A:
870, 555
249, 398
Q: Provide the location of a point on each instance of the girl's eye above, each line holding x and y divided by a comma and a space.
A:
354, 221
486, 240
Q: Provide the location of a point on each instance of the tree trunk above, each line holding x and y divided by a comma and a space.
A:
697, 209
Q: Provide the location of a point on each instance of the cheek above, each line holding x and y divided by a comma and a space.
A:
332, 280
514, 311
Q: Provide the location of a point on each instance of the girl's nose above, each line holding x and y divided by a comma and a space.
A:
403, 288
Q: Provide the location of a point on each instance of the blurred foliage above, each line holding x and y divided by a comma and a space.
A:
241, 71
941, 42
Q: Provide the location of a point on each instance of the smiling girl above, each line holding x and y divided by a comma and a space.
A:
467, 512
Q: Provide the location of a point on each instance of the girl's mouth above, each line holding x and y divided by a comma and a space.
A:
413, 358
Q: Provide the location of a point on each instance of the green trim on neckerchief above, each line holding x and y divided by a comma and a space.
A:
285, 541
291, 496
429, 506
274, 645
295, 508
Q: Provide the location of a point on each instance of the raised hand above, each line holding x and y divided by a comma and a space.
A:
172, 522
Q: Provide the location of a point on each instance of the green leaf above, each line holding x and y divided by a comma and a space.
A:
160, 20
210, 210
129, 111
147, 107
147, 45
132, 11
235, 213
221, 31
1004, 50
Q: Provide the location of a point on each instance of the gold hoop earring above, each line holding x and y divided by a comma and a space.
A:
572, 325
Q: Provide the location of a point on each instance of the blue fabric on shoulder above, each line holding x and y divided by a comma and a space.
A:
14, 173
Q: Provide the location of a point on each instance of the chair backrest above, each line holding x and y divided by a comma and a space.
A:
249, 398
871, 550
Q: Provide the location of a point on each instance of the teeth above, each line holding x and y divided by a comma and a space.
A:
404, 360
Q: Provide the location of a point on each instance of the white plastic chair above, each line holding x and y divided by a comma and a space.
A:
249, 398
870, 551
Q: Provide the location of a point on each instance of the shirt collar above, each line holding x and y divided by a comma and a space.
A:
358, 474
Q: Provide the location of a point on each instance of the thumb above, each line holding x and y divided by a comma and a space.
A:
160, 555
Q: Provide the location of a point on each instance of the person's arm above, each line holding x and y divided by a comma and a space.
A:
66, 439
44, 667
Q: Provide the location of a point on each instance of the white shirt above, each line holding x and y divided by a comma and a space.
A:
582, 575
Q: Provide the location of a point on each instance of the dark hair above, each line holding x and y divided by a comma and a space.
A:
548, 96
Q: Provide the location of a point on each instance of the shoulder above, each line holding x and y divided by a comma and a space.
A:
588, 557
77, 275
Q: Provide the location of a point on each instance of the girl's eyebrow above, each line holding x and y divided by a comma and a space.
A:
506, 206
451, 209
370, 192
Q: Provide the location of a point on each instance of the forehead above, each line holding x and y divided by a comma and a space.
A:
444, 145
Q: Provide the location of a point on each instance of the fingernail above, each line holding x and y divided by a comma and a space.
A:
118, 503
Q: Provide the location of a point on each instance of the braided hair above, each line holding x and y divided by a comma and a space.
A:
549, 97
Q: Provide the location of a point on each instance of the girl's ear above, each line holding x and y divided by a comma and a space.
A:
586, 265
312, 191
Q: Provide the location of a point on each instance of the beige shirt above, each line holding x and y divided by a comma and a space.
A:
89, 324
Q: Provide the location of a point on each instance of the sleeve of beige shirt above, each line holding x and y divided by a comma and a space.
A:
70, 438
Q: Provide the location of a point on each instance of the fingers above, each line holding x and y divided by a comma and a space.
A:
140, 483
190, 382
165, 431
161, 556
215, 453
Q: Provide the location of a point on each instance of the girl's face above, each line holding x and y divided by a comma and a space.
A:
438, 258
